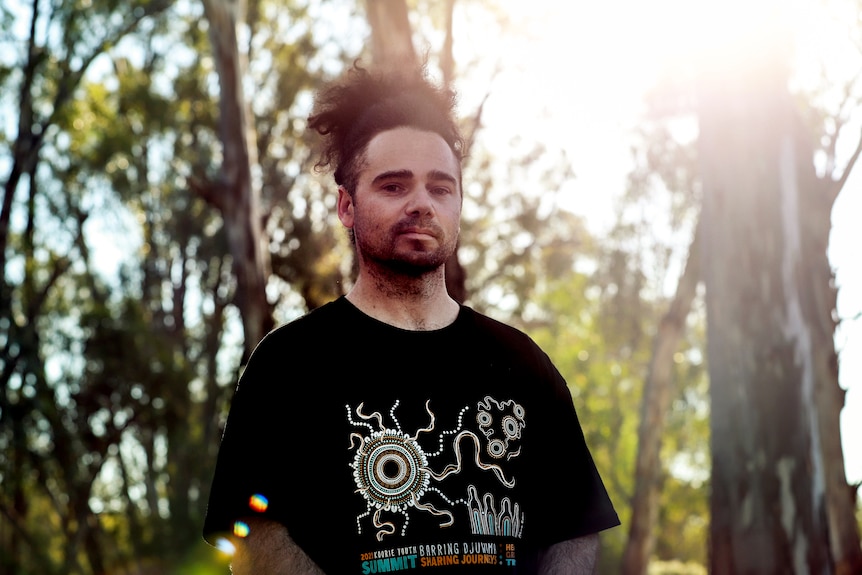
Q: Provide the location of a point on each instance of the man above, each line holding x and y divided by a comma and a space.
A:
394, 429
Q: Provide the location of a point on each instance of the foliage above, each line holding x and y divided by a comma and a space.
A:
115, 380
603, 354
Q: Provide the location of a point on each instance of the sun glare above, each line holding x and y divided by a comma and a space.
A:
574, 75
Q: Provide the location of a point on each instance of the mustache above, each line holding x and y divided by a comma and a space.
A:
424, 224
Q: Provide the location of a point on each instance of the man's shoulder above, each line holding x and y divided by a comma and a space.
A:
508, 345
324, 316
503, 333
319, 322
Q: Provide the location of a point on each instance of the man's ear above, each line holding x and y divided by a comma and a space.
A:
345, 207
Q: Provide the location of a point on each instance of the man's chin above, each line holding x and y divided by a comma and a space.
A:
412, 262
416, 267
416, 263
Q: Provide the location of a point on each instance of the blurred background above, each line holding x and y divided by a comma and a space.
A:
661, 193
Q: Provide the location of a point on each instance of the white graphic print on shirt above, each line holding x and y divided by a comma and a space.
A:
397, 474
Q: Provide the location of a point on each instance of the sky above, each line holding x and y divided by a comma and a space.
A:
584, 67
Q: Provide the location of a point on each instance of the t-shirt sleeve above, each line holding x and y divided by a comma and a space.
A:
573, 499
248, 469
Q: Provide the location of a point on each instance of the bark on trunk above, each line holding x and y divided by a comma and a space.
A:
236, 195
767, 500
654, 407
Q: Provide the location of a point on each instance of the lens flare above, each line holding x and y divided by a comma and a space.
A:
258, 503
240, 529
225, 546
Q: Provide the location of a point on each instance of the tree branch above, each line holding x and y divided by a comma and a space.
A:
839, 184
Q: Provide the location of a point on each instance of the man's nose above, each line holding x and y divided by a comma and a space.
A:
419, 201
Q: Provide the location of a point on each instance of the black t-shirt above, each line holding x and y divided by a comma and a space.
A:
382, 449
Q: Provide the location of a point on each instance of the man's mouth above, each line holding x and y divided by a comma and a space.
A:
414, 231
417, 232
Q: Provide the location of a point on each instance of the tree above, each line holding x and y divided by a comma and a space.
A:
665, 174
775, 462
655, 406
815, 198
38, 434
235, 193
115, 384
392, 47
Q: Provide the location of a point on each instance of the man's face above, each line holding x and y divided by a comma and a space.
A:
405, 211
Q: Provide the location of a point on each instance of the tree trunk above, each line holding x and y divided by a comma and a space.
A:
767, 500
392, 47
391, 34
447, 55
236, 195
456, 275
817, 305
654, 407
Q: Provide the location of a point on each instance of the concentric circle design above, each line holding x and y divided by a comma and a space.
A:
511, 427
518, 410
390, 470
496, 448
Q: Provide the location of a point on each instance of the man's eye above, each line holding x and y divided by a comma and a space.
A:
441, 190
391, 187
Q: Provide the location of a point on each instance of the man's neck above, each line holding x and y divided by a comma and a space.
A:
412, 303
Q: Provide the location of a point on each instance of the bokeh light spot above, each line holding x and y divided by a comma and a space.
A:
240, 529
258, 503
224, 545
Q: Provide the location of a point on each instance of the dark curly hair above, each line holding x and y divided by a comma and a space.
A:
349, 112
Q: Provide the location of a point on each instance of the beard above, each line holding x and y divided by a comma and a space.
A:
390, 250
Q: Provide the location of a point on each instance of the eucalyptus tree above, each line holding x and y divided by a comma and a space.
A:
780, 500
771, 311
666, 174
